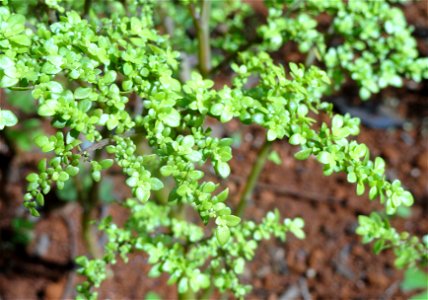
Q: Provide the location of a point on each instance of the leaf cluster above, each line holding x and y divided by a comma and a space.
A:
87, 76
369, 41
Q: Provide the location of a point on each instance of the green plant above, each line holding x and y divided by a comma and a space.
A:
368, 40
22, 231
416, 279
113, 83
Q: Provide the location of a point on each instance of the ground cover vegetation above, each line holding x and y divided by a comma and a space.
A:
117, 82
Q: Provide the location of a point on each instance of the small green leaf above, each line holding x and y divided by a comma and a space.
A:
222, 234
21, 39
172, 119
183, 285
303, 154
132, 181
85, 105
420, 296
324, 157
221, 197
142, 194
274, 157
407, 198
33, 177
40, 200
239, 265
223, 169
152, 296
217, 109
7, 81
96, 176
271, 135
414, 279
82, 93
7, 118
297, 139
299, 233
47, 109
378, 246
44, 143
373, 192
63, 176
6, 62
352, 177
72, 171
106, 163
166, 170
156, 184
34, 212
109, 77
360, 188
231, 220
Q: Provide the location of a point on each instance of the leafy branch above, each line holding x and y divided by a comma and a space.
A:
83, 74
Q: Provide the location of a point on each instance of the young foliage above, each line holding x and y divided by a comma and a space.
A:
84, 73
369, 41
416, 279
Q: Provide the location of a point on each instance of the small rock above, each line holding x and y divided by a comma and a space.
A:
272, 297
392, 154
293, 292
311, 273
263, 272
423, 160
378, 279
54, 290
42, 246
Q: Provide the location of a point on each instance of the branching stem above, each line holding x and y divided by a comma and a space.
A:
201, 23
88, 201
188, 295
253, 177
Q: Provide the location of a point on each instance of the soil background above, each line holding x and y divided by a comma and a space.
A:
331, 263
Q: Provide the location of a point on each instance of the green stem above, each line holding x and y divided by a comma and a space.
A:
88, 235
188, 295
204, 38
86, 218
21, 88
87, 7
253, 177
89, 200
201, 23
311, 56
207, 293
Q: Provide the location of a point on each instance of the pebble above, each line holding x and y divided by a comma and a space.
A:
415, 172
423, 160
311, 273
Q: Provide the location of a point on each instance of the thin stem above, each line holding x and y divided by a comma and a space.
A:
201, 23
21, 88
204, 38
188, 295
311, 56
89, 200
208, 292
87, 7
104, 142
253, 177
226, 61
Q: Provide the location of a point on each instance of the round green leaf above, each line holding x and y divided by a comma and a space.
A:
7, 118
222, 234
